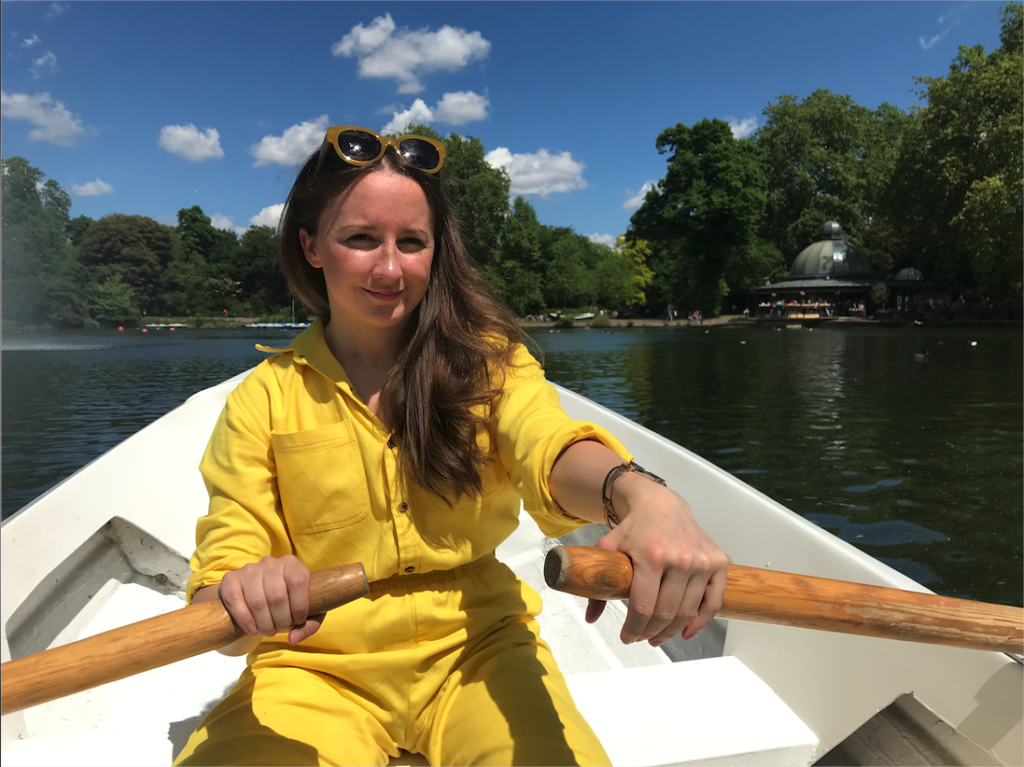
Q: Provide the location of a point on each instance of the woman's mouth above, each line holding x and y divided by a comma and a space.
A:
384, 295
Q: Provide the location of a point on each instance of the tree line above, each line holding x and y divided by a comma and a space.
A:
939, 188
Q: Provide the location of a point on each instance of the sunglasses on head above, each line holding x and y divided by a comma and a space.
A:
361, 146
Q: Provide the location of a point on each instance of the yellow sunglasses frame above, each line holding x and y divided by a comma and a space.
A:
385, 141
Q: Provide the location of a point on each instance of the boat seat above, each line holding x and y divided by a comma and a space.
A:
713, 711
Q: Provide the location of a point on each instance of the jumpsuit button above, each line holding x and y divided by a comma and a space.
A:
403, 507
410, 569
391, 443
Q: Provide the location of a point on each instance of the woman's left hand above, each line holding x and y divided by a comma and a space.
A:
678, 572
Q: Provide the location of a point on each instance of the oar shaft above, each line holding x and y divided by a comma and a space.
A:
766, 596
151, 643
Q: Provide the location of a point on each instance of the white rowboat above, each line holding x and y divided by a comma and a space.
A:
110, 546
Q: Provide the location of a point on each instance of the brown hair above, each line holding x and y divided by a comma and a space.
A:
456, 340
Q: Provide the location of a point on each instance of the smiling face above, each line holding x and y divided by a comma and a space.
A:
375, 246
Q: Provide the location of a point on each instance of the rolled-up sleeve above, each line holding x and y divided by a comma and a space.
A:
533, 430
244, 522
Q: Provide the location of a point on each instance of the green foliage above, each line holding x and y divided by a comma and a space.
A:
971, 134
42, 283
565, 322
706, 212
879, 294
135, 247
112, 302
601, 321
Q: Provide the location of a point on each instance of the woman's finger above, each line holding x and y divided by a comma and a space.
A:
595, 607
711, 604
296, 579
231, 594
277, 596
643, 596
674, 586
687, 609
309, 627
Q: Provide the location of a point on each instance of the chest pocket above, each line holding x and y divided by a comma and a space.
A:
321, 479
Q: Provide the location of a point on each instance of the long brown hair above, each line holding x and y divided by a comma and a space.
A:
454, 350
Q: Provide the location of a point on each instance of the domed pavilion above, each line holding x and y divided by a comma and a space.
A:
830, 278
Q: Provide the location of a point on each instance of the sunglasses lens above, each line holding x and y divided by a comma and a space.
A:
420, 153
358, 145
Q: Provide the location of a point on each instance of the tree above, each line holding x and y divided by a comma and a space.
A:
636, 254
135, 247
707, 209
112, 302
569, 281
971, 133
256, 268
828, 158
42, 283
479, 197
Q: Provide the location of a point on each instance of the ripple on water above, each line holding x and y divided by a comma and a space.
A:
849, 474
731, 450
859, 488
750, 471
913, 570
889, 482
887, 533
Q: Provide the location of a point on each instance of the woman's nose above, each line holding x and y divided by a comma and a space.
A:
387, 266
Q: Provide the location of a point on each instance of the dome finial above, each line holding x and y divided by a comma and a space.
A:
831, 230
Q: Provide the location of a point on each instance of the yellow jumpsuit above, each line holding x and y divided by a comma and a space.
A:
444, 658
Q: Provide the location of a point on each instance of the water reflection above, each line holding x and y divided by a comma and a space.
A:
938, 446
844, 424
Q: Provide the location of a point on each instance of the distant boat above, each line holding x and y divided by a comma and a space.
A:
278, 325
587, 316
169, 325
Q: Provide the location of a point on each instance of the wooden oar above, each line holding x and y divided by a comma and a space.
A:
151, 643
766, 596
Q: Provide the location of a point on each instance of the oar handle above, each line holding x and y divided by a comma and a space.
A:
766, 596
148, 644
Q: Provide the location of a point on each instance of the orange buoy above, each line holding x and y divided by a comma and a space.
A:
120, 327
172, 330
144, 330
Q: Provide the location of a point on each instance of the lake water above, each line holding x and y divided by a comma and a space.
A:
907, 443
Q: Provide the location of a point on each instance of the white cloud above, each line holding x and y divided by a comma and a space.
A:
403, 55
742, 128
461, 107
602, 239
951, 20
30, 41
541, 173
45, 63
92, 189
293, 146
54, 123
417, 113
218, 221
190, 143
637, 200
453, 108
57, 9
270, 216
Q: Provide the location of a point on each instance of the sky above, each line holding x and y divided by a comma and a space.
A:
149, 107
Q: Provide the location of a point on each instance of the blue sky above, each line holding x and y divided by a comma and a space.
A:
149, 107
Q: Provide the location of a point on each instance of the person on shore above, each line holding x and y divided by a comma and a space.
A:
404, 429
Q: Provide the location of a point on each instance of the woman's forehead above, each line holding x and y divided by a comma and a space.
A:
381, 195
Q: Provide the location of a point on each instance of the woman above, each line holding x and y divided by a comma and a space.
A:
401, 430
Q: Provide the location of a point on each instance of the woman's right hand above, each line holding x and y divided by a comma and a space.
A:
271, 596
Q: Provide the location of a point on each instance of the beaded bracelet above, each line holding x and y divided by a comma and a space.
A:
611, 519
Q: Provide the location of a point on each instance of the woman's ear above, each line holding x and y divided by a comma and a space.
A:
308, 248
